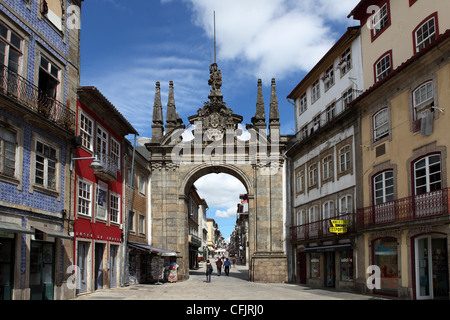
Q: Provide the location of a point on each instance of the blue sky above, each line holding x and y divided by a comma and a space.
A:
126, 46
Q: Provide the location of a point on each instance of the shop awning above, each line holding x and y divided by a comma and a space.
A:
331, 247
146, 247
14, 228
54, 234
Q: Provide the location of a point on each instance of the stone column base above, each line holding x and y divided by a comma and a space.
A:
268, 267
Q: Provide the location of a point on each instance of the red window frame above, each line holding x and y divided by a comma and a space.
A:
379, 59
436, 27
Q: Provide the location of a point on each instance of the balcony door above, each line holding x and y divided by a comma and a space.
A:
428, 185
431, 262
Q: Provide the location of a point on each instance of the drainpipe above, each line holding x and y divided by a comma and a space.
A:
126, 216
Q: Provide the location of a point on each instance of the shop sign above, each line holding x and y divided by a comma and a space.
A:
339, 226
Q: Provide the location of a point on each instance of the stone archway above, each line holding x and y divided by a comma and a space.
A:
217, 147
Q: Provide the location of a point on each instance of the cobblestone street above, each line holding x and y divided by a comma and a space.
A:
232, 287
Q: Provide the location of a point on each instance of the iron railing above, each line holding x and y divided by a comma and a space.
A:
109, 165
332, 112
319, 229
31, 97
428, 205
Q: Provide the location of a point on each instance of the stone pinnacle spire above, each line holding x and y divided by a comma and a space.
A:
172, 116
157, 106
274, 112
260, 116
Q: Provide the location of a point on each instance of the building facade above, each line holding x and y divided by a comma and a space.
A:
99, 190
322, 167
403, 214
39, 75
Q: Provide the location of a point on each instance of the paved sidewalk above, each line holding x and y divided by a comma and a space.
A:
232, 287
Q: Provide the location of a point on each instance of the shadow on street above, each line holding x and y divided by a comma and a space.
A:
240, 272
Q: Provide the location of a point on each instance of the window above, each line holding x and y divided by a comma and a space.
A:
84, 198
52, 10
423, 98
131, 221
347, 97
328, 78
86, 132
45, 169
102, 141
331, 111
10, 49
303, 104
313, 213
385, 256
425, 34
313, 175
345, 158
315, 91
328, 210
49, 79
115, 151
346, 262
380, 20
380, 124
141, 224
383, 187
427, 174
300, 181
114, 208
142, 184
301, 217
383, 67
102, 201
304, 132
328, 167
8, 144
345, 64
315, 265
346, 205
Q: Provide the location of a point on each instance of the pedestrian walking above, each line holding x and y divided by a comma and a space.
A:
173, 272
234, 261
209, 270
219, 267
227, 265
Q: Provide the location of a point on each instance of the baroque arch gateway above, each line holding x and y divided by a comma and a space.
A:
217, 145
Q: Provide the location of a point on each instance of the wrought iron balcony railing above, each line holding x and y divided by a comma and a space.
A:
319, 229
427, 205
31, 97
109, 167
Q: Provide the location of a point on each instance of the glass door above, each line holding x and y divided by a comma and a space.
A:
431, 267
6, 268
41, 270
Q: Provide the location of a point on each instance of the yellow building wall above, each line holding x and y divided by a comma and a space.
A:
398, 37
400, 149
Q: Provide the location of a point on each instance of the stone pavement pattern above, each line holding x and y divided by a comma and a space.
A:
232, 287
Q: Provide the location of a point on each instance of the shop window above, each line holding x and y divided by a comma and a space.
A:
385, 256
315, 266
346, 265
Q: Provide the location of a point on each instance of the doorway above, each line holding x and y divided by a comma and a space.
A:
41, 270
302, 267
82, 257
6, 267
99, 250
329, 269
113, 266
431, 263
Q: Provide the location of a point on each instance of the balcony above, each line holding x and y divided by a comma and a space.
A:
425, 206
26, 94
332, 112
194, 241
109, 169
319, 229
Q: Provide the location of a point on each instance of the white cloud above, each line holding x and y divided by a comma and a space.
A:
221, 191
272, 37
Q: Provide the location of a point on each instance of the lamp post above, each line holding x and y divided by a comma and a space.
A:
96, 164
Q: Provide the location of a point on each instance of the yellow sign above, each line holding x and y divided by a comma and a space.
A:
339, 226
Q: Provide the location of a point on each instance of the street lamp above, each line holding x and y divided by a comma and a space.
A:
96, 164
